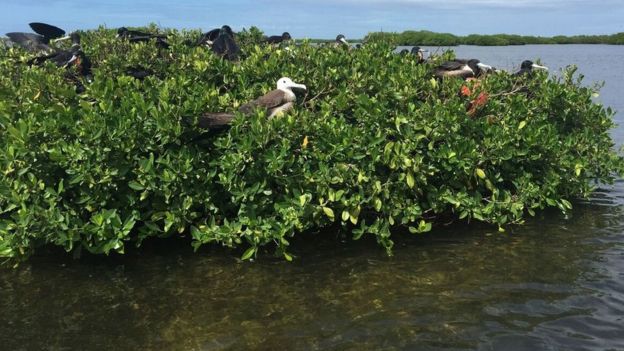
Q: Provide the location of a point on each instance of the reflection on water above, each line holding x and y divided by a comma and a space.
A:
555, 283
551, 284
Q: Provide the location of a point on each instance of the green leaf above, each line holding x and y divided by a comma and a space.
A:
345, 215
522, 124
480, 173
578, 168
423, 227
377, 204
339, 194
329, 212
566, 204
135, 186
354, 214
410, 179
248, 253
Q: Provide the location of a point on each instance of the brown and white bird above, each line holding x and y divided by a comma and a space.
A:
274, 103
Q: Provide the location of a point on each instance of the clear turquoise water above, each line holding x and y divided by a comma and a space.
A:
555, 283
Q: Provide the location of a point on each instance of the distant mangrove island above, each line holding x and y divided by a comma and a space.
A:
428, 38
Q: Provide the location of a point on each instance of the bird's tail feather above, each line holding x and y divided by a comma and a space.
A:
215, 120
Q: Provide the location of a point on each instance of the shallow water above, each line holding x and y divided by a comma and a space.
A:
555, 283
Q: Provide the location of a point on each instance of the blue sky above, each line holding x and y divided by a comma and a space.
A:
324, 18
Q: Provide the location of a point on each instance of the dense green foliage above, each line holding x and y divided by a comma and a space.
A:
427, 38
375, 144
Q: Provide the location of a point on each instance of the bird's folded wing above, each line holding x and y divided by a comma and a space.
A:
451, 65
215, 120
267, 101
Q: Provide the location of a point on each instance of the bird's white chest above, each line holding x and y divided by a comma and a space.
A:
289, 96
468, 69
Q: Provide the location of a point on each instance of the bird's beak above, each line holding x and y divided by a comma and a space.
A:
540, 67
344, 41
483, 66
61, 39
298, 86
71, 60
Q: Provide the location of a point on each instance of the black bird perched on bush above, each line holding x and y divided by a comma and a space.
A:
419, 53
67, 58
208, 38
225, 46
135, 36
37, 42
274, 103
527, 67
124, 32
139, 72
276, 39
461, 68
62, 57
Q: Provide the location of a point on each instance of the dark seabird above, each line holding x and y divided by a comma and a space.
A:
139, 72
225, 46
341, 40
208, 38
67, 58
527, 68
124, 32
62, 57
38, 42
462, 69
135, 36
74, 57
273, 103
276, 39
160, 42
419, 53
404, 52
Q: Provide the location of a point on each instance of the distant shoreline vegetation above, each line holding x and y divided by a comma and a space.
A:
428, 38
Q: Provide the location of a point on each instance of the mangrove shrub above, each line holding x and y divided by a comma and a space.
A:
376, 144
428, 38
